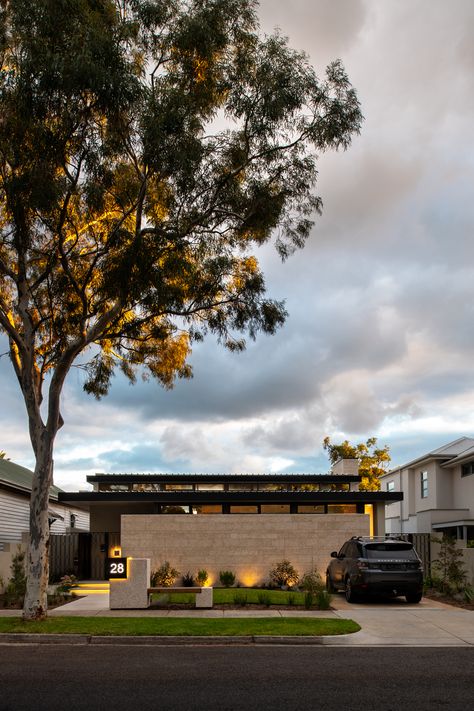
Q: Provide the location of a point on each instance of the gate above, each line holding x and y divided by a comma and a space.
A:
81, 554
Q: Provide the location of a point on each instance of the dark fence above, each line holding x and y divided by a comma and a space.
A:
80, 554
421, 543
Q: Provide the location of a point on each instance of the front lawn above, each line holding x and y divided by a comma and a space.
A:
202, 627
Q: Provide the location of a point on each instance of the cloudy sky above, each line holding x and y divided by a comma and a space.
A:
380, 336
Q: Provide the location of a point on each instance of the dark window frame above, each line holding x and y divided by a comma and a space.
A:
424, 484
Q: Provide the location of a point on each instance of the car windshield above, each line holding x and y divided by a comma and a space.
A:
385, 550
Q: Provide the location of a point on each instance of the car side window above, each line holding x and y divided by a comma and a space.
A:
352, 551
343, 551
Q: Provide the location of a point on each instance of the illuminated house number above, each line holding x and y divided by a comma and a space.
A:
116, 568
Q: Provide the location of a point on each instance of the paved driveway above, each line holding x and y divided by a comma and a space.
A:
393, 622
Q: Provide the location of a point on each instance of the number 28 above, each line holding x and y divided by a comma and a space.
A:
117, 568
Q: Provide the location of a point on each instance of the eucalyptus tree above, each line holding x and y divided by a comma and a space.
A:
147, 148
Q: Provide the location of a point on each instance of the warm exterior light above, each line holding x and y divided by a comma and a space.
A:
249, 578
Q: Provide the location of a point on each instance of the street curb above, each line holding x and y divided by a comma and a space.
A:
25, 638
156, 640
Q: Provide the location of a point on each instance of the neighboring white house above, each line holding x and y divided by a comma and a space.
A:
438, 492
15, 490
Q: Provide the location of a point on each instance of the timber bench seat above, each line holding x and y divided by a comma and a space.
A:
203, 601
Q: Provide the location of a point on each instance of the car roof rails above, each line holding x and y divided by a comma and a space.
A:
387, 537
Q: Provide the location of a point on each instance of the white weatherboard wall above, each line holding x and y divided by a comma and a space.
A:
15, 517
249, 545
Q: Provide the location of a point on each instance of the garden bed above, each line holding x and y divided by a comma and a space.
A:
53, 602
241, 598
433, 594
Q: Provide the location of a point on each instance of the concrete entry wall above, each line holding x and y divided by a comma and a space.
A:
249, 545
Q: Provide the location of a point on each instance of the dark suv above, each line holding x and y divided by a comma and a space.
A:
376, 565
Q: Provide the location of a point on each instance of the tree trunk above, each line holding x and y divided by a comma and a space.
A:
36, 600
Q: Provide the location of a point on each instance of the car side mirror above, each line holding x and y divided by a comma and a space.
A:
334, 554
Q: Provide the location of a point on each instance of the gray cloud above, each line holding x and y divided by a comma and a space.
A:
379, 337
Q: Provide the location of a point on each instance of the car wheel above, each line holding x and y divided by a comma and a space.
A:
329, 586
349, 592
413, 598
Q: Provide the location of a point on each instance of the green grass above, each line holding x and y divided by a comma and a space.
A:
225, 596
185, 627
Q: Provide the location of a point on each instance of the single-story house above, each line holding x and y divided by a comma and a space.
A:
15, 491
244, 523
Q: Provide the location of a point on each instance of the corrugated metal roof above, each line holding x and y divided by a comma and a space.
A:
17, 477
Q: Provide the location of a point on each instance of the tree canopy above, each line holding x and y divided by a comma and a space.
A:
373, 459
147, 149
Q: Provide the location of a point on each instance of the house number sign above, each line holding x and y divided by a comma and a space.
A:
116, 568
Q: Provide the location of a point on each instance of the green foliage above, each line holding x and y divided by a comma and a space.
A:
448, 571
202, 576
323, 599
188, 580
16, 586
264, 598
227, 578
66, 583
240, 598
284, 574
132, 216
470, 543
291, 600
312, 582
164, 576
469, 594
373, 460
308, 600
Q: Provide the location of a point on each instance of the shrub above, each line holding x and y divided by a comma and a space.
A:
16, 586
240, 598
284, 574
290, 600
202, 576
66, 583
264, 599
323, 599
448, 567
188, 580
164, 576
469, 593
470, 543
227, 578
308, 600
312, 582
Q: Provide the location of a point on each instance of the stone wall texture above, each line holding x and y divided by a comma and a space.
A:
249, 545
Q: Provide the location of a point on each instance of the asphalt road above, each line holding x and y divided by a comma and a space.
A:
125, 677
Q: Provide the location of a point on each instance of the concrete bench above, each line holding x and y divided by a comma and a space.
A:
203, 601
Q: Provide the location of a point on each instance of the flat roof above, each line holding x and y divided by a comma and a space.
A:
229, 497
223, 478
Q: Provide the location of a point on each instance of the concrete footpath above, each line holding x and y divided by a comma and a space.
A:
391, 623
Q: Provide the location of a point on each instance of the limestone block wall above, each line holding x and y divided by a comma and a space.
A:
249, 545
